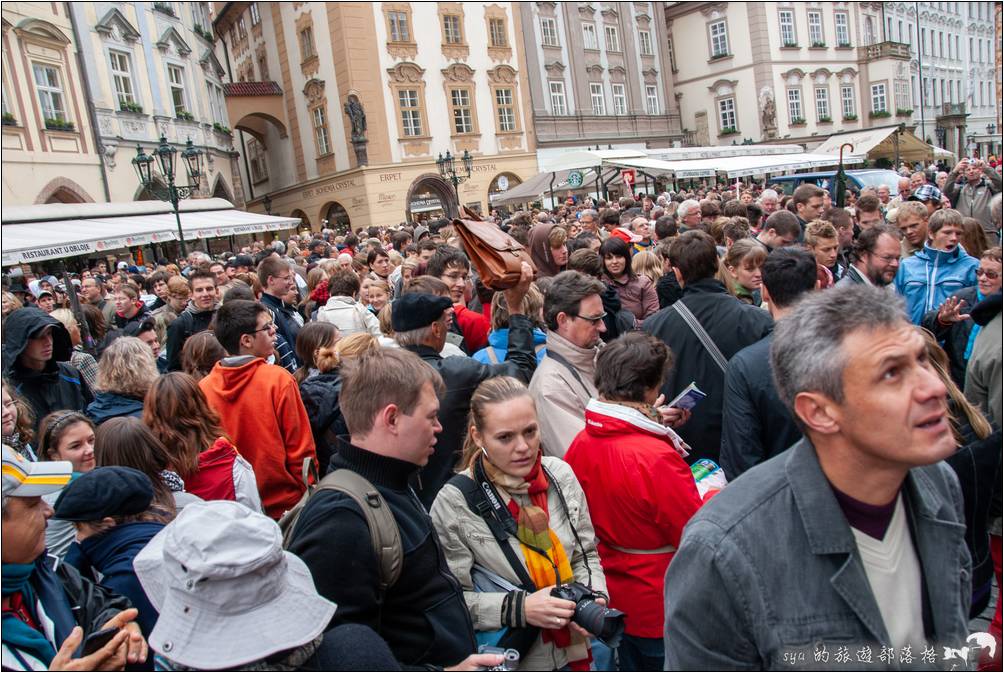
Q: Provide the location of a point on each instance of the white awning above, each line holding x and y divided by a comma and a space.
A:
36, 233
588, 159
540, 184
734, 167
880, 142
717, 151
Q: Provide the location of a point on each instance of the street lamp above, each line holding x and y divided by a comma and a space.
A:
448, 170
164, 156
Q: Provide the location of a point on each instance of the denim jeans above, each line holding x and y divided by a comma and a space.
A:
640, 654
603, 656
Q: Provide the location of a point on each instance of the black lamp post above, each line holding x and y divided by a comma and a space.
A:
164, 156
448, 170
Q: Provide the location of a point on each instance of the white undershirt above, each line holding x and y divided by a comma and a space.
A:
893, 572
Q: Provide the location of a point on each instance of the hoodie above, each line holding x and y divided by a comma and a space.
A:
320, 395
190, 321
108, 405
260, 408
540, 250
224, 475
931, 276
58, 385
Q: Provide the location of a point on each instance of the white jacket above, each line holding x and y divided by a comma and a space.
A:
349, 316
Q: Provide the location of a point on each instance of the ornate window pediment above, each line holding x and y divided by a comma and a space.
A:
724, 87
209, 60
555, 69
41, 30
793, 76
618, 70
458, 72
594, 69
820, 75
406, 73
502, 74
314, 91
114, 24
609, 13
587, 10
643, 19
715, 10
172, 37
650, 74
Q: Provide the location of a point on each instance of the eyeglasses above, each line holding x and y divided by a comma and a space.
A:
991, 275
267, 328
592, 319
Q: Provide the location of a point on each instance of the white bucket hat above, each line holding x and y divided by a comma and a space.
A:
226, 591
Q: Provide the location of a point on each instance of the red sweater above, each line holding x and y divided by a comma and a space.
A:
473, 325
260, 408
641, 494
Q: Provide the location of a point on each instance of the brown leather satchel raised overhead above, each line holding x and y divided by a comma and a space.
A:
496, 255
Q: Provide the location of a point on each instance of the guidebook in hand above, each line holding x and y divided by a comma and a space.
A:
689, 398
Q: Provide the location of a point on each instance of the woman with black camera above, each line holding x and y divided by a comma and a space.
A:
515, 528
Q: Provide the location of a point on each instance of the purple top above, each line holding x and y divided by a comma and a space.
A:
872, 520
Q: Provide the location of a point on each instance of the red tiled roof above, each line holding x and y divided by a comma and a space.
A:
252, 89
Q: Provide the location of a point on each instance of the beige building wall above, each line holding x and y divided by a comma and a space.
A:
44, 164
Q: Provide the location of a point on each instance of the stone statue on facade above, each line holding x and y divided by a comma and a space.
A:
768, 114
357, 116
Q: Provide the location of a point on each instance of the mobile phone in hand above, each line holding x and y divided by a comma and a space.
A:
99, 639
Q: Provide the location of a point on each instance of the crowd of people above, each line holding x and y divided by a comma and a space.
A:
721, 428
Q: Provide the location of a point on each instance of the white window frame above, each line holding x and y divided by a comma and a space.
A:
645, 43
319, 119
822, 98
814, 18
559, 105
786, 22
903, 95
549, 32
589, 36
847, 102
597, 98
409, 108
497, 37
125, 90
505, 105
611, 38
842, 22
48, 93
619, 94
879, 94
795, 109
460, 105
177, 86
727, 118
398, 26
307, 47
216, 102
719, 39
453, 34
255, 14
651, 99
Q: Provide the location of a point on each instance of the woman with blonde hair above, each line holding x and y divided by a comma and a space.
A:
552, 534
198, 449
125, 374
739, 270
79, 358
647, 263
18, 423
10, 303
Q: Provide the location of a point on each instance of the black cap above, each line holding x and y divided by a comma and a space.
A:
243, 260
417, 310
105, 491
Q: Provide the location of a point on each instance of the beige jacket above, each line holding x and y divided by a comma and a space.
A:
560, 398
466, 540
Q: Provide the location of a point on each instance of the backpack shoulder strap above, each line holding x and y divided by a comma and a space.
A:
492, 356
695, 326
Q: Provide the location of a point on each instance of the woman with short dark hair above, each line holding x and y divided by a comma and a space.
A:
636, 292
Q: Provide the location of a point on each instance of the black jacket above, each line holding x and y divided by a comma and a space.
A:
423, 616
462, 376
189, 322
320, 395
123, 323
732, 326
285, 322
668, 289
617, 320
59, 385
755, 423
955, 337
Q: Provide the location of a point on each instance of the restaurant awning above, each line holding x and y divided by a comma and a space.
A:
733, 167
540, 184
881, 142
51, 231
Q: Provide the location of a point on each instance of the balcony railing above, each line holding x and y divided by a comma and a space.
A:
554, 128
953, 109
897, 50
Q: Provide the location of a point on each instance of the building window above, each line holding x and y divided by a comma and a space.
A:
645, 42
255, 14
411, 114
879, 102
321, 131
903, 101
558, 106
505, 110
822, 103
727, 114
815, 28
451, 29
923, 41
651, 100
719, 39
460, 101
263, 67
597, 99
941, 43
787, 19
242, 29
613, 40
399, 31
843, 31
256, 161
50, 91
795, 114
200, 15
549, 32
620, 99
176, 80
307, 43
122, 77
957, 52
497, 33
672, 56
216, 105
847, 101
589, 36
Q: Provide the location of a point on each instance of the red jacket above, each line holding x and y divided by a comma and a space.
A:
473, 325
641, 494
215, 478
260, 408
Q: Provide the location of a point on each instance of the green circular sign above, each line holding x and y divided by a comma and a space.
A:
575, 179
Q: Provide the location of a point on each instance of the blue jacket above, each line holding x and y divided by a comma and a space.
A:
733, 604
111, 554
113, 405
498, 341
931, 276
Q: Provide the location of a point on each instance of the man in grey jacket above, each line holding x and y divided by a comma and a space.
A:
972, 195
850, 547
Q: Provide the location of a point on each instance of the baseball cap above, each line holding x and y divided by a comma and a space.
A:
23, 478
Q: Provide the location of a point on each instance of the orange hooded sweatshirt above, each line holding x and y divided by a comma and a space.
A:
260, 408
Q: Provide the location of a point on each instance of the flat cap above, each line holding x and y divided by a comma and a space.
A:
417, 310
925, 193
105, 491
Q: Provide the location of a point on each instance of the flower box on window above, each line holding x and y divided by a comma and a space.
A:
819, 45
185, 116
797, 121
850, 118
206, 35
904, 112
220, 128
825, 120
131, 106
164, 8
729, 131
8, 119
879, 114
58, 124
790, 45
844, 45
718, 57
